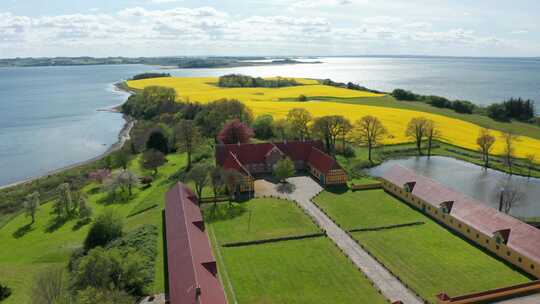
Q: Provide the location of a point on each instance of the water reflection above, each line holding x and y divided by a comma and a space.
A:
471, 180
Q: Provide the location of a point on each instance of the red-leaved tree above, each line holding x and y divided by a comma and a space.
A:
235, 131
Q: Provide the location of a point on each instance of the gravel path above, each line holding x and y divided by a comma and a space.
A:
306, 189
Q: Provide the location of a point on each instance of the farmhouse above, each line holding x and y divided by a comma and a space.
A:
512, 240
260, 158
192, 269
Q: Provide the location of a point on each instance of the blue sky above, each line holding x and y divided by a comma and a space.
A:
277, 27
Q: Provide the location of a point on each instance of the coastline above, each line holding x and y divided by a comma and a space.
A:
123, 137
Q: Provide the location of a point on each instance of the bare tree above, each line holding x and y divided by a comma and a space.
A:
329, 128
188, 138
416, 129
50, 287
530, 158
509, 150
31, 205
216, 180
485, 142
369, 131
432, 132
128, 179
510, 195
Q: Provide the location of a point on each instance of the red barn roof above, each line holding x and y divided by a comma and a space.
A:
235, 156
192, 269
322, 161
521, 237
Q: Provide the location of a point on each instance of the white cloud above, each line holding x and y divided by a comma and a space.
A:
206, 30
302, 4
163, 1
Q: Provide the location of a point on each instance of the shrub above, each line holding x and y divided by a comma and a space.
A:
401, 94
5, 292
107, 227
498, 112
302, 98
262, 126
463, 106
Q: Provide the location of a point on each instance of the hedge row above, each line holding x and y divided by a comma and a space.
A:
386, 227
274, 240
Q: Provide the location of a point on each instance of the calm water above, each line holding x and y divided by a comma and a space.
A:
49, 117
471, 180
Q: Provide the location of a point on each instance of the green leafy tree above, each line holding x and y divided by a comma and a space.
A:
107, 227
31, 205
64, 203
214, 115
91, 295
157, 140
122, 158
281, 128
5, 292
152, 160
329, 128
188, 138
299, 120
216, 180
262, 126
284, 169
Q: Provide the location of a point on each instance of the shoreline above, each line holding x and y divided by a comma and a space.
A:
123, 137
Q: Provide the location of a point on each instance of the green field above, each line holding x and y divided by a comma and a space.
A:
295, 271
428, 258
257, 219
41, 246
366, 209
300, 271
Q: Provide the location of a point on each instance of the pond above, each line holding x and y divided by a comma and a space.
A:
471, 180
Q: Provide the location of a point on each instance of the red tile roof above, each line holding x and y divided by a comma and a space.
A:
191, 265
523, 238
322, 161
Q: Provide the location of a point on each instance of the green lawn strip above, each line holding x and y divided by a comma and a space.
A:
31, 250
257, 219
388, 101
366, 209
301, 271
223, 272
431, 260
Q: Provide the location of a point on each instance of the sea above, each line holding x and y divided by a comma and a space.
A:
53, 117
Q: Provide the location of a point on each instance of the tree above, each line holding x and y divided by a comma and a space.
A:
216, 180
107, 227
127, 179
369, 131
64, 203
262, 126
157, 140
200, 176
152, 160
85, 211
215, 114
345, 127
299, 120
284, 169
231, 178
416, 129
93, 295
530, 159
508, 140
50, 287
485, 142
432, 132
122, 158
234, 132
31, 205
280, 128
510, 195
329, 128
188, 138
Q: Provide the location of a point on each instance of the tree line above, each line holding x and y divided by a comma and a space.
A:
243, 81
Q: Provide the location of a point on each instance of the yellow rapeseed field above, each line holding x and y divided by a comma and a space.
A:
267, 101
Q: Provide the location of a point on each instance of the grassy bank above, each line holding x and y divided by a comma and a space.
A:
48, 243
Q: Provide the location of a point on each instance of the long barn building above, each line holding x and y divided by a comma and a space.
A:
505, 236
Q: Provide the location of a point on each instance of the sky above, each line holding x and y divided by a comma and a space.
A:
37, 28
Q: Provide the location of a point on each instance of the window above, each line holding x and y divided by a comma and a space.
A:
451, 221
468, 230
497, 247
487, 242
520, 259
508, 253
477, 235
532, 266
459, 225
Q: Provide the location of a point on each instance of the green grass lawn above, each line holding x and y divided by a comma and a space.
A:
31, 250
257, 219
366, 209
300, 271
428, 258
